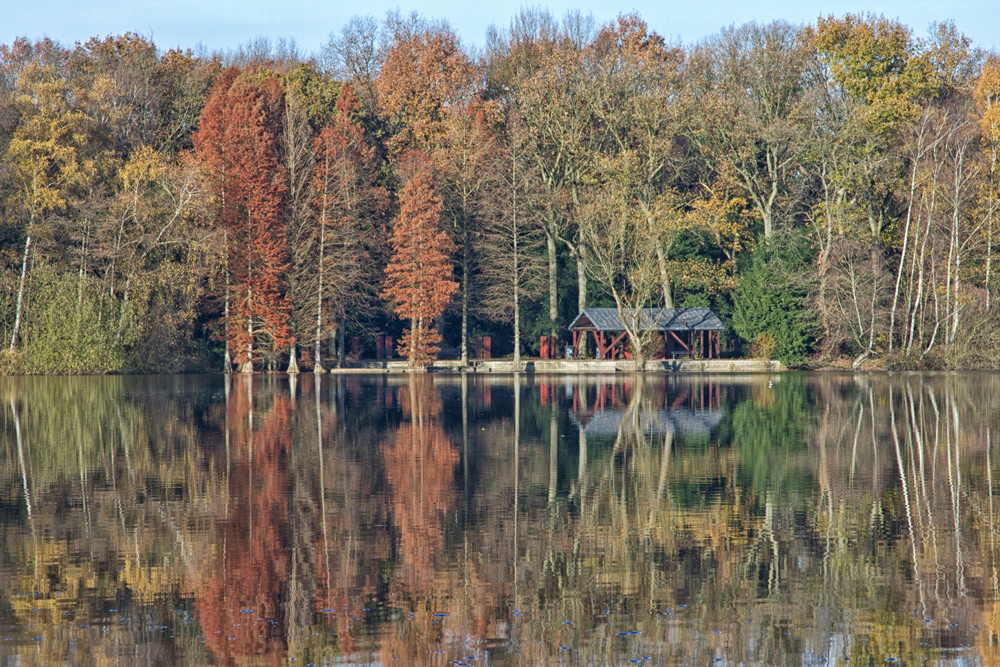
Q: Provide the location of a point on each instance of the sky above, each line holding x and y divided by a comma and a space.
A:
226, 24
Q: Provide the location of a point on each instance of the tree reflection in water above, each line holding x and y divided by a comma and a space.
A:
426, 519
240, 601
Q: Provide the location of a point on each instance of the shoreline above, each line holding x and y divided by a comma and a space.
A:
564, 366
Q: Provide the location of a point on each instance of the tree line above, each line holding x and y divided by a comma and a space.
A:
828, 189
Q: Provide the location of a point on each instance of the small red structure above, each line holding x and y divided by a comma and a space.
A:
483, 347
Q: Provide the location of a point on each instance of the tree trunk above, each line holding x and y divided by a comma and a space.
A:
902, 254
317, 365
661, 259
20, 294
293, 362
333, 343
958, 251
550, 246
921, 272
989, 255
553, 457
79, 283
121, 314
465, 295
637, 350
343, 341
581, 285
225, 317
517, 321
416, 336
991, 207
248, 365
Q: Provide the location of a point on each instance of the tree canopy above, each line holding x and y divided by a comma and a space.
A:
166, 210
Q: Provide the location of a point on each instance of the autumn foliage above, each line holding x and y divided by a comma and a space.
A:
238, 142
418, 277
420, 463
240, 602
423, 75
158, 203
346, 200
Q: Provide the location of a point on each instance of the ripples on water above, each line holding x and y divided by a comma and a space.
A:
791, 519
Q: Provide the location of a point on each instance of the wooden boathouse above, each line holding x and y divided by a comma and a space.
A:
686, 332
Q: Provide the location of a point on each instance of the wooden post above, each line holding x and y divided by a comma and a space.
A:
543, 350
380, 347
389, 350
681, 342
487, 347
479, 347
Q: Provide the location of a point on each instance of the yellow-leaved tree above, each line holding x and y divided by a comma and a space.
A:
45, 156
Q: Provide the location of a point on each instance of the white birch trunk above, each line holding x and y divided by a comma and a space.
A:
20, 294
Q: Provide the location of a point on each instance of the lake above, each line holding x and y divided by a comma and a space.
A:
492, 520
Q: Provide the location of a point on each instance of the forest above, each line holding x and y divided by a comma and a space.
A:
829, 190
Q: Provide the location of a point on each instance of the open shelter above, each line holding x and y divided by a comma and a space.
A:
690, 332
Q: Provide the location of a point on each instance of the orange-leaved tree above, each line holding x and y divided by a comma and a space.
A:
420, 463
424, 74
239, 143
419, 275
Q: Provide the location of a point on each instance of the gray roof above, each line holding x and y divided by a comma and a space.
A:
677, 420
658, 319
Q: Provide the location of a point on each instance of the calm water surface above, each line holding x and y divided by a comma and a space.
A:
787, 519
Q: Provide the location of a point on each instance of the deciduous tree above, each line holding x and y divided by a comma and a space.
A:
512, 265
346, 203
46, 157
424, 73
463, 157
418, 277
239, 143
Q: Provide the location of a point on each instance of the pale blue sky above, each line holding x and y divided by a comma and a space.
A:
224, 24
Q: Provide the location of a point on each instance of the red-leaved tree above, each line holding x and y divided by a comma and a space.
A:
418, 277
238, 141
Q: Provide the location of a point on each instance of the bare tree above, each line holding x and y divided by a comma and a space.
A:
623, 258
512, 265
751, 105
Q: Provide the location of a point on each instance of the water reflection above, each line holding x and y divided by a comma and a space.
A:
481, 520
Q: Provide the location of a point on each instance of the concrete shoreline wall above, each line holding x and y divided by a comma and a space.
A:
570, 366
